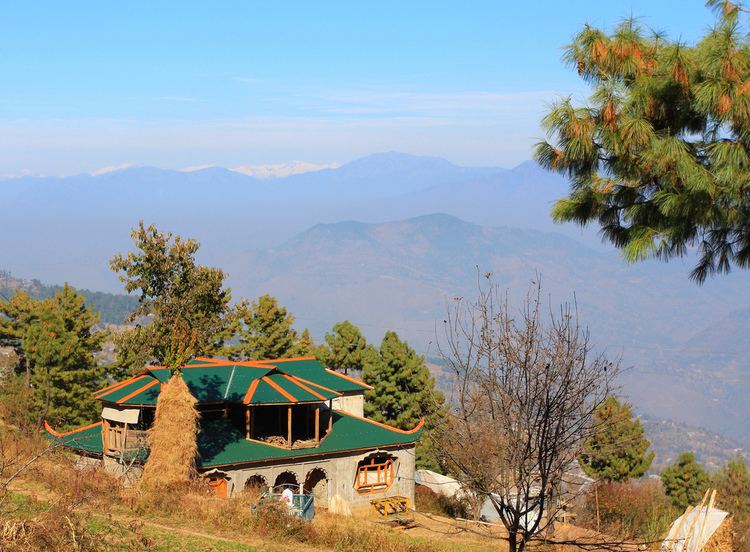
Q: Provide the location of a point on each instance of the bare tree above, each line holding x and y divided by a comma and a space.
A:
526, 387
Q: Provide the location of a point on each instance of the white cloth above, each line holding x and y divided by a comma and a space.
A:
287, 496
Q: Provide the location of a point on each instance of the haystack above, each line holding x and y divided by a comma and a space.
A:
700, 529
172, 438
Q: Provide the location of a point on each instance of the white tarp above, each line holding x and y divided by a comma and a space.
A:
124, 415
693, 529
440, 484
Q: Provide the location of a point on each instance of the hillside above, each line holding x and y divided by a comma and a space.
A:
669, 439
113, 308
403, 274
685, 346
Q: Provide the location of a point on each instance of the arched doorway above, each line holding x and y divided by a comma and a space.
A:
285, 480
316, 484
255, 486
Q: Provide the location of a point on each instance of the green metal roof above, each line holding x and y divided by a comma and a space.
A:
285, 381
85, 439
221, 444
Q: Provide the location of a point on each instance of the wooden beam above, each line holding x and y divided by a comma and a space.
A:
247, 423
317, 425
105, 435
289, 424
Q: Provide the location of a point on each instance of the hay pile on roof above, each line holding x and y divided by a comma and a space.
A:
172, 438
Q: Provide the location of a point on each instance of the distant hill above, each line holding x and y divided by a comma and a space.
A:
687, 345
228, 211
113, 308
669, 439
403, 274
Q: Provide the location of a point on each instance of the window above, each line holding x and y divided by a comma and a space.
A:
374, 474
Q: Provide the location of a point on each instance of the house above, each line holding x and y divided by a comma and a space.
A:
262, 423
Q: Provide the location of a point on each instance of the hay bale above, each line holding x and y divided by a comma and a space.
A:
723, 538
337, 505
172, 438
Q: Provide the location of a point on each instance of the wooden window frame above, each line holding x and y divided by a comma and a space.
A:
385, 474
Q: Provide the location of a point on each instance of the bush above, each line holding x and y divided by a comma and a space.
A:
633, 510
426, 500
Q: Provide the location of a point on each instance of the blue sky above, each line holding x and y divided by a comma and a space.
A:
175, 84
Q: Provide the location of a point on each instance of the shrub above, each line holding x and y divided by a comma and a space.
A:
426, 500
633, 510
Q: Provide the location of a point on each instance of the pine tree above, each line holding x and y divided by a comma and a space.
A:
660, 156
60, 345
403, 391
267, 332
617, 451
306, 345
684, 481
344, 348
186, 304
732, 483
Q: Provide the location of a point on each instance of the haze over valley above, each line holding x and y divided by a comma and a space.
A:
387, 241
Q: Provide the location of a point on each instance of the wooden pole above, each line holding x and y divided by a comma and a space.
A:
247, 423
289, 424
105, 435
317, 425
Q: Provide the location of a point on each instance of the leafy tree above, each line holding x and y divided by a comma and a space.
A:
403, 391
617, 450
732, 483
684, 481
60, 345
266, 332
343, 349
185, 306
659, 157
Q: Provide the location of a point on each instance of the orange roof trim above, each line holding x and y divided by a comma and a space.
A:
308, 382
303, 386
386, 426
137, 391
72, 432
286, 359
350, 378
278, 388
112, 388
251, 391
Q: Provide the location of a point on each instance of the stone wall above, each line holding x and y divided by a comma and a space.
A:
340, 474
352, 404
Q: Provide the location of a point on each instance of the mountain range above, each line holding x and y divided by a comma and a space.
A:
387, 241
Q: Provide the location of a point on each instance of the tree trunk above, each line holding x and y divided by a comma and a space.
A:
513, 541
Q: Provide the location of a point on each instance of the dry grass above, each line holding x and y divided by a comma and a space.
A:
723, 538
171, 440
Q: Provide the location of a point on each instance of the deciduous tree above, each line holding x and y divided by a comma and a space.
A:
617, 449
183, 307
659, 156
526, 385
